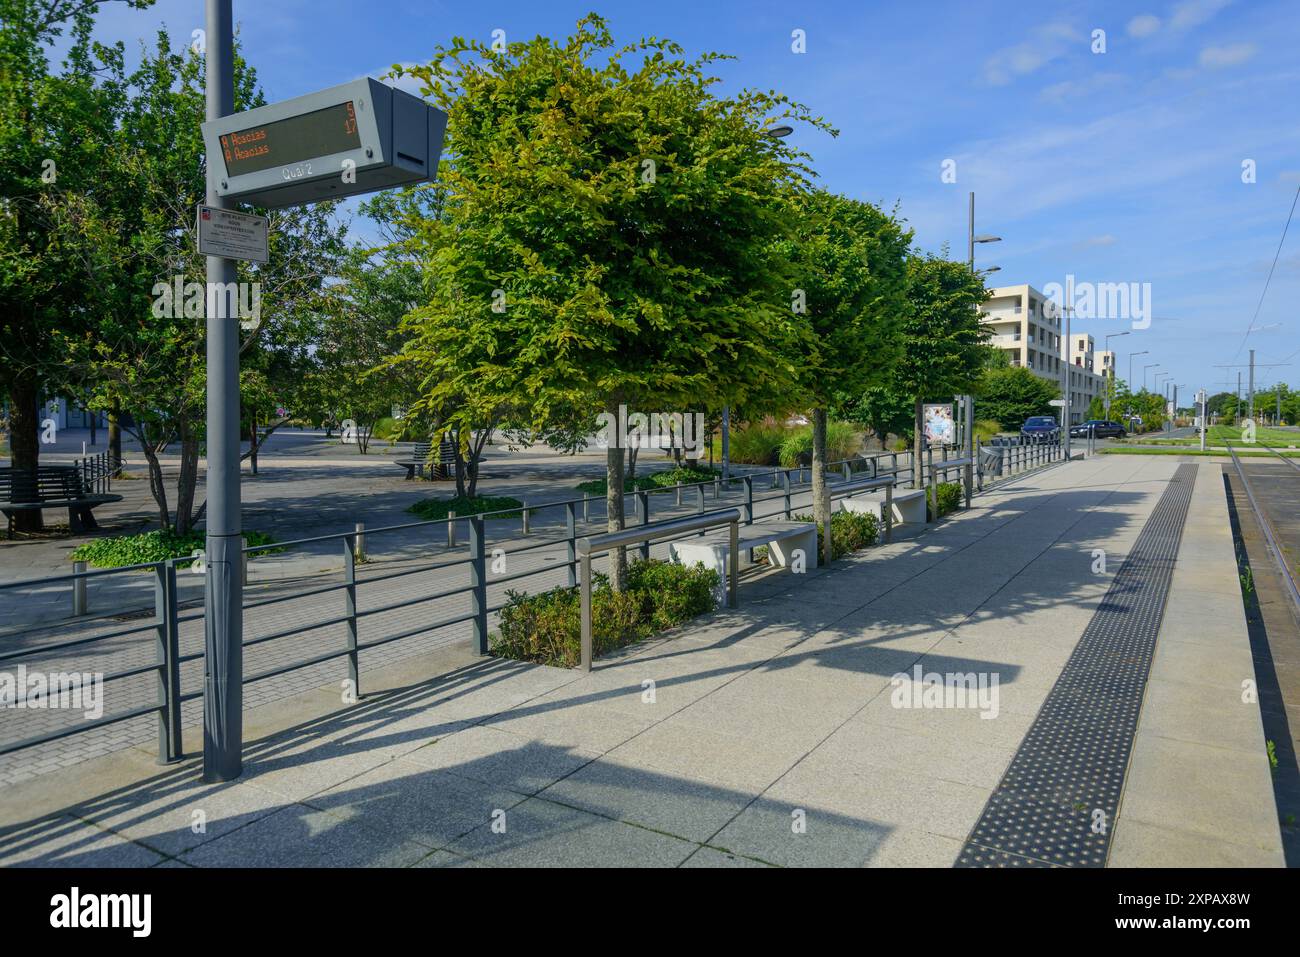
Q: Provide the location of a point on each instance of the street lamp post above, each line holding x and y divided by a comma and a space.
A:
1111, 385
972, 239
1154, 365
1144, 352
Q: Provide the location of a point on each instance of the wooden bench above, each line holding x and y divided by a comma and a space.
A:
420, 455
909, 507
50, 486
782, 539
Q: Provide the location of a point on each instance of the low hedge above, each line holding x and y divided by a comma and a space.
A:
430, 509
686, 474
118, 551
950, 496
850, 531
547, 628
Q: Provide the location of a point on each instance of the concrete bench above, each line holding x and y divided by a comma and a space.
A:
909, 507
782, 539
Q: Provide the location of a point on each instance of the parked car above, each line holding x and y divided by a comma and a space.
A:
1101, 428
1041, 426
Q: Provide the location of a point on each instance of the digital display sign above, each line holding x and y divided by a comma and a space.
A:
284, 142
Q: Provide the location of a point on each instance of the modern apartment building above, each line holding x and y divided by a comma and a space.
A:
1026, 325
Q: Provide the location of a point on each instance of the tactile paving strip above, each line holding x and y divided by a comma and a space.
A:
1056, 804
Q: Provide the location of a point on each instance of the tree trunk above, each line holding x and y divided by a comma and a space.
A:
918, 446
115, 436
614, 507
188, 480
821, 496
24, 438
156, 486
94, 426
252, 443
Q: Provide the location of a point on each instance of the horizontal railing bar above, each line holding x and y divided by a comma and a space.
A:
418, 630
415, 601
305, 663
298, 630
58, 646
89, 573
322, 590
646, 533
78, 729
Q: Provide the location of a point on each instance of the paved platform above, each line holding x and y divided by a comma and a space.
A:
773, 734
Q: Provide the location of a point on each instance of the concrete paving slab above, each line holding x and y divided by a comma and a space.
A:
70, 842
302, 836
675, 805
510, 761
432, 808
540, 833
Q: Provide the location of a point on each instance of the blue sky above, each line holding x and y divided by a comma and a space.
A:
1122, 166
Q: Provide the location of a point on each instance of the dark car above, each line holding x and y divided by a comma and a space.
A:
1041, 426
1101, 428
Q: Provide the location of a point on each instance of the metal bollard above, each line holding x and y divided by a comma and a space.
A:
525, 518
679, 492
586, 506
78, 590
359, 547
451, 529
717, 488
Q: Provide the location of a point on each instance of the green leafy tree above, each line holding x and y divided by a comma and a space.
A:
603, 236
55, 163
849, 264
944, 340
1011, 395
360, 332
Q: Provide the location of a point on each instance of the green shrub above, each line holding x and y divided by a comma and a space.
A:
758, 443
667, 478
842, 440
950, 496
119, 551
547, 628
388, 429
850, 531
435, 508
986, 429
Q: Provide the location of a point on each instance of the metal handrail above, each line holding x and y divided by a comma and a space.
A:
648, 533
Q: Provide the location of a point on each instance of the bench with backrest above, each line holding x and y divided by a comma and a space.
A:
50, 486
782, 540
421, 454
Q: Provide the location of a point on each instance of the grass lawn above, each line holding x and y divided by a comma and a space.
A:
432, 509
1181, 450
1220, 435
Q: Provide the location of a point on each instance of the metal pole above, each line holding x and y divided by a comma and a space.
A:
726, 442
571, 543
350, 553
1069, 371
585, 603
733, 572
223, 626
478, 584
78, 590
970, 233
1251, 411
451, 528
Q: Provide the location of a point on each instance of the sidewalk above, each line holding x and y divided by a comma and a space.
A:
764, 735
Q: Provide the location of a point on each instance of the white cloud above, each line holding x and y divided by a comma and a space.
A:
1073, 89
1191, 13
1232, 54
1047, 43
1143, 25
